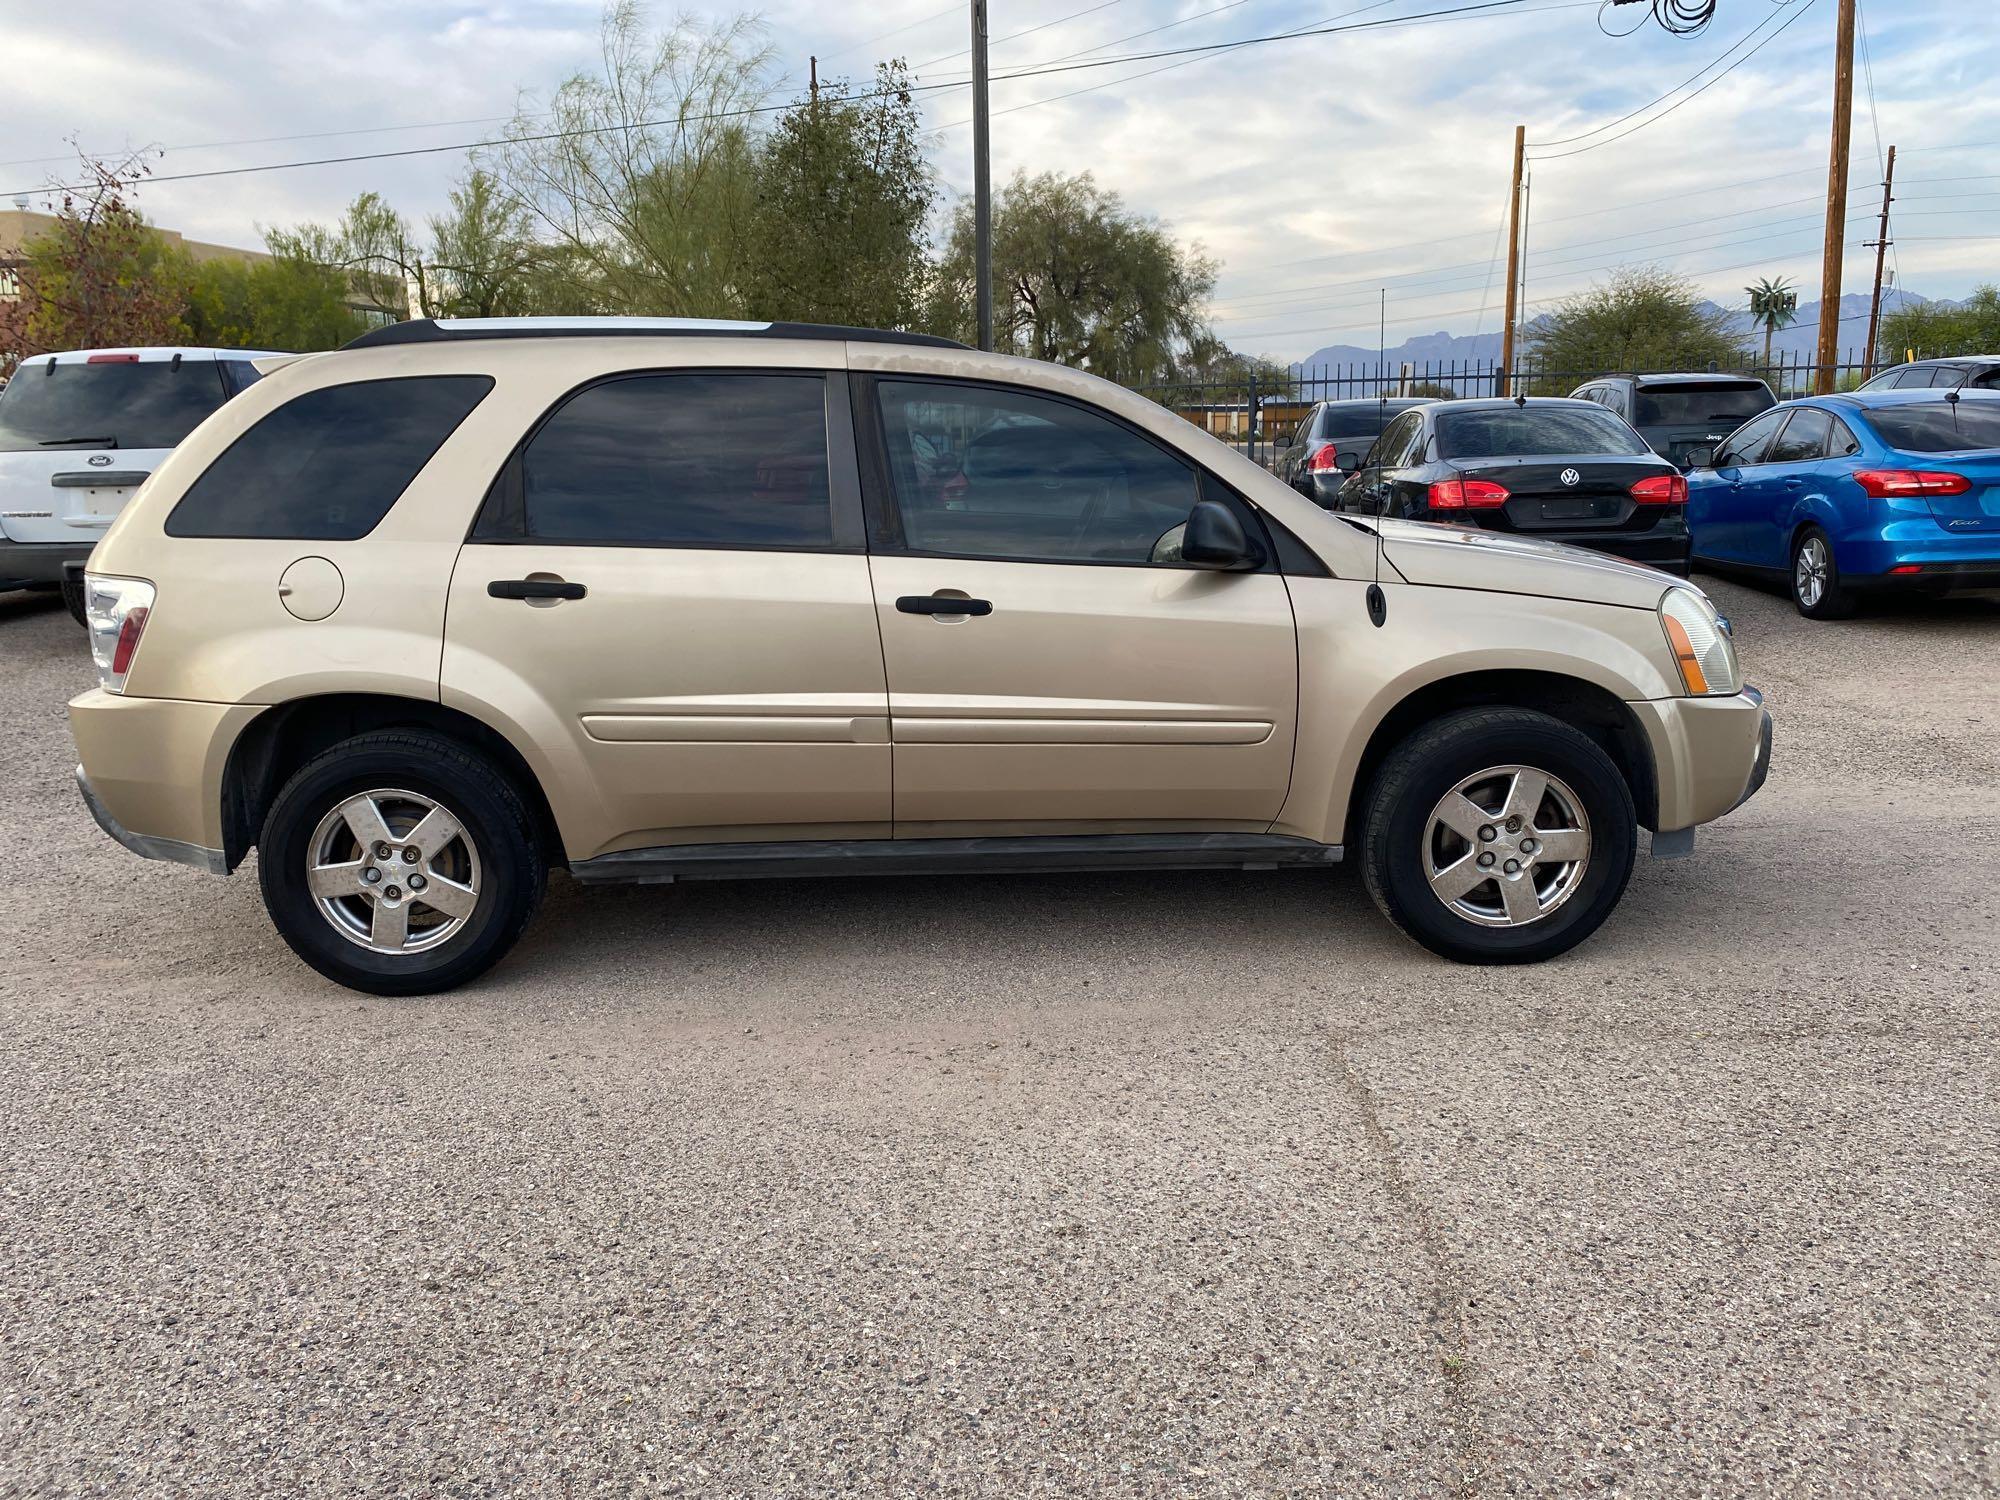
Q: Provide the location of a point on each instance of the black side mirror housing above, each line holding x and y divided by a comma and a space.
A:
1348, 462
1215, 539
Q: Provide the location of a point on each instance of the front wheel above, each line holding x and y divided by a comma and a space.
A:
1498, 835
399, 862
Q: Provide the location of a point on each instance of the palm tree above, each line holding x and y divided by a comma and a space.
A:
1774, 304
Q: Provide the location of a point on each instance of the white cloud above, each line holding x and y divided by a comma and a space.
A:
1317, 169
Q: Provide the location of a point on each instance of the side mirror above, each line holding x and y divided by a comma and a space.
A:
1214, 539
1702, 457
1348, 462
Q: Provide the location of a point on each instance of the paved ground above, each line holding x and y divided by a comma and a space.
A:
1153, 1185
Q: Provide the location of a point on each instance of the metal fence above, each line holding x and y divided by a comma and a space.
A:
1258, 416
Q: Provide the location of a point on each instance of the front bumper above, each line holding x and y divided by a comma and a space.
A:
38, 562
1710, 756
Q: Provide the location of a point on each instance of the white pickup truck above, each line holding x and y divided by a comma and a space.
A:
80, 432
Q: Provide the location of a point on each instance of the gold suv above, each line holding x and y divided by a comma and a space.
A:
654, 600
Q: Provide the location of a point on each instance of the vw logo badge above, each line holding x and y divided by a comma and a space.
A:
1570, 476
100, 460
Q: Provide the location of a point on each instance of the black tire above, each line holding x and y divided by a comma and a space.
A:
1416, 776
497, 827
72, 596
1836, 601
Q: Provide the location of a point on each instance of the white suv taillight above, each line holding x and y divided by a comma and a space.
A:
116, 610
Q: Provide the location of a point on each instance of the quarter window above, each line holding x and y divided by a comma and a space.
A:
981, 472
688, 460
327, 465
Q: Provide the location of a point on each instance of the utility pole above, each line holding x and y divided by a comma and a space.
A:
982, 180
1881, 249
1836, 201
814, 61
1513, 263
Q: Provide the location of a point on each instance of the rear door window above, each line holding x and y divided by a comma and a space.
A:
121, 404
694, 459
327, 465
1804, 438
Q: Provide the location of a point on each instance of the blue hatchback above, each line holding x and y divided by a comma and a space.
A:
1847, 495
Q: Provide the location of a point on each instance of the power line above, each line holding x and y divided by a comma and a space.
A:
936, 15
1612, 124
1017, 35
1474, 8
1792, 20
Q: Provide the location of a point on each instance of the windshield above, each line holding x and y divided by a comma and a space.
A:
1939, 426
1697, 405
150, 405
1533, 432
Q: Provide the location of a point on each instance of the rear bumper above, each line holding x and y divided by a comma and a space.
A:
38, 562
1935, 578
1710, 755
147, 846
152, 771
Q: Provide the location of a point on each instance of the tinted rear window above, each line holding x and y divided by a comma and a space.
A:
1532, 431
688, 460
326, 466
142, 405
1361, 418
1939, 426
1693, 405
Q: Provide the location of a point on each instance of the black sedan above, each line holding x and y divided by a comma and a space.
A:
1557, 470
1310, 460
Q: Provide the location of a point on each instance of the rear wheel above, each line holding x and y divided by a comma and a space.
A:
1816, 585
400, 863
1498, 836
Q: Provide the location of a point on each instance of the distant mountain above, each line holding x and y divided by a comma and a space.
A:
1792, 344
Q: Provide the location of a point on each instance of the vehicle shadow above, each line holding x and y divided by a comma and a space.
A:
15, 603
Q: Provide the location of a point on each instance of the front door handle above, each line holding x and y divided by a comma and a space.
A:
942, 604
535, 588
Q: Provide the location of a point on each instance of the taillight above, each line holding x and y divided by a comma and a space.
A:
111, 359
116, 611
1661, 489
1467, 494
1324, 461
1886, 484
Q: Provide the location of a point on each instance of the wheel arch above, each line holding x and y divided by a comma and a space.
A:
283, 738
1595, 710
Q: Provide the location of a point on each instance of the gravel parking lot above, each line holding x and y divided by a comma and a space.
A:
1170, 1184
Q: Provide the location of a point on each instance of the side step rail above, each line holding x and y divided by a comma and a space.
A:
1037, 854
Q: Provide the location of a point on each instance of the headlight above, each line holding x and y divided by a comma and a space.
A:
115, 609
1700, 643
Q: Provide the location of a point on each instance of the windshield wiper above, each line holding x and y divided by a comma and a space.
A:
92, 442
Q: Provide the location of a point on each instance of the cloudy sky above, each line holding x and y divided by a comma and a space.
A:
1318, 169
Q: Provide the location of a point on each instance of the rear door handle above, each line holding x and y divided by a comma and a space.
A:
942, 604
535, 588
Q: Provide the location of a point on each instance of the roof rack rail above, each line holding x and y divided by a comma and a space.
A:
452, 330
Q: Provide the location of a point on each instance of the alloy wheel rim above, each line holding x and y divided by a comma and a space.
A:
1810, 572
1507, 846
393, 871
